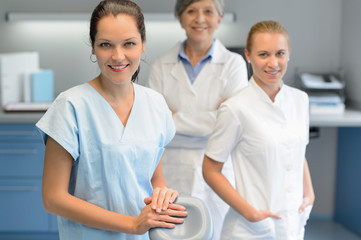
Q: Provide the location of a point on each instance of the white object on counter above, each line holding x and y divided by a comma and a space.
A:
316, 81
13, 68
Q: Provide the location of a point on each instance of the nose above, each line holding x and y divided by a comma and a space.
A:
118, 53
273, 62
200, 17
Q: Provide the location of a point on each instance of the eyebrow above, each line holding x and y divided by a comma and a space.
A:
284, 50
128, 39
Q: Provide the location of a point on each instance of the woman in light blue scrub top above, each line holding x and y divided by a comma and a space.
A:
105, 138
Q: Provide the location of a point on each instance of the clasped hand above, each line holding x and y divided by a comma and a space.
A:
160, 211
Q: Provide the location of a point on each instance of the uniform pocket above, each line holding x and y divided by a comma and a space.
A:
304, 216
261, 228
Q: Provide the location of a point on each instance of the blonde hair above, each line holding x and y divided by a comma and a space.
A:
266, 27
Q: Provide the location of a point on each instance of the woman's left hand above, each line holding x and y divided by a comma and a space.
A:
308, 193
307, 201
161, 198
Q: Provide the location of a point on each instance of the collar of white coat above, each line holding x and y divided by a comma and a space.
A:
218, 54
207, 57
263, 95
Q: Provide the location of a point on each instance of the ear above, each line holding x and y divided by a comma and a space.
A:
143, 47
93, 51
181, 23
248, 55
219, 20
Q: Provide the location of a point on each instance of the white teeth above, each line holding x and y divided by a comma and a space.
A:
118, 67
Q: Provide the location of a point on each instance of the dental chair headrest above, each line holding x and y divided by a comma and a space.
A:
197, 225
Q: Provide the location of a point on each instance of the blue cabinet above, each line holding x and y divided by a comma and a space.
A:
348, 193
21, 166
21, 206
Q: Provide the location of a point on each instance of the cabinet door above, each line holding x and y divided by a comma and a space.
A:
21, 159
23, 132
21, 151
21, 206
348, 194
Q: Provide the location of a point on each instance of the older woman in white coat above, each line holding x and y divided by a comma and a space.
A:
195, 77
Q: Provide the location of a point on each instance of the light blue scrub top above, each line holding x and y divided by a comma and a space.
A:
113, 165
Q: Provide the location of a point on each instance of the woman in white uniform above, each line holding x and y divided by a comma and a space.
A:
265, 130
195, 76
104, 141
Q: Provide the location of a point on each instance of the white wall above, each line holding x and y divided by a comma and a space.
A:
351, 50
63, 46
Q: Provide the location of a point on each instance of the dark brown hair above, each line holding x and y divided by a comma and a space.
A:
116, 7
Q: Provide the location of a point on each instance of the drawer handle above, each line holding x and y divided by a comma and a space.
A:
27, 133
18, 188
17, 151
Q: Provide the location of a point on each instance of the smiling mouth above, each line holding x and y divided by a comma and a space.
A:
199, 29
274, 72
118, 67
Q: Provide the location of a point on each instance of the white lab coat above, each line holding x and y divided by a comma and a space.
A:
267, 141
194, 107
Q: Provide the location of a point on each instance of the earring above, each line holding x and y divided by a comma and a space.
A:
91, 59
143, 57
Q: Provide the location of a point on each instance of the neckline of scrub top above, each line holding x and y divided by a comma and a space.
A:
264, 95
112, 110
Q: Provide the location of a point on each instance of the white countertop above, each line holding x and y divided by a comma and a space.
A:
351, 118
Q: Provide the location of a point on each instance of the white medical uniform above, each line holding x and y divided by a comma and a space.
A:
113, 165
267, 141
194, 106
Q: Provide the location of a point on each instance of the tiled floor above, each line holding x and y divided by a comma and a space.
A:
317, 229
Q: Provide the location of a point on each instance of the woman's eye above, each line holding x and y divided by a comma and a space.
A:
281, 53
129, 44
262, 54
104, 44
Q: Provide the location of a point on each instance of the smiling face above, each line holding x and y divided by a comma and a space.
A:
269, 58
118, 47
200, 20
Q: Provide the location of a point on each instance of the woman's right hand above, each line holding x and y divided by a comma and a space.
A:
148, 218
259, 215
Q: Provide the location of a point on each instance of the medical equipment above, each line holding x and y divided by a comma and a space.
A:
198, 224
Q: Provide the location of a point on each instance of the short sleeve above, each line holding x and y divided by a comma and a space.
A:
60, 123
226, 134
307, 115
